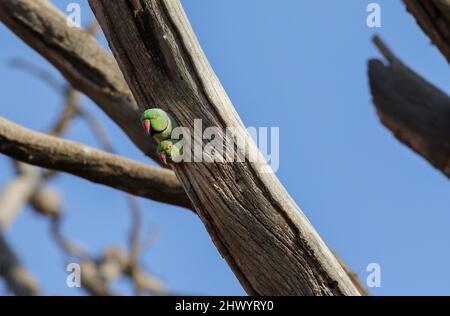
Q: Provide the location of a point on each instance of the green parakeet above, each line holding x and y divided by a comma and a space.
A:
169, 150
160, 125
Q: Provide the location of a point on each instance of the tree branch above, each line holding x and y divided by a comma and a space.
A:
80, 59
416, 112
265, 238
433, 16
94, 165
99, 273
17, 279
27, 183
15, 195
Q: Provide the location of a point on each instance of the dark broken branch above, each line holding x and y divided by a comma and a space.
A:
434, 18
417, 112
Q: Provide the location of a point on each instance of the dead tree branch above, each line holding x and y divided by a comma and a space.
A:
433, 16
88, 67
17, 279
25, 185
89, 163
99, 273
28, 187
15, 195
265, 238
416, 112
80, 59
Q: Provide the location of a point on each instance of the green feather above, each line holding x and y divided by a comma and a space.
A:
172, 148
162, 123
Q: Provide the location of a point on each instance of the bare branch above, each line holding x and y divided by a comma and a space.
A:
98, 274
97, 128
352, 275
95, 277
17, 279
114, 263
38, 72
142, 281
88, 67
434, 18
12, 200
81, 59
135, 242
69, 113
47, 201
15, 195
416, 111
21, 190
94, 165
265, 238
73, 107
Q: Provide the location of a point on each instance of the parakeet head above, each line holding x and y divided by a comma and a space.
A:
154, 121
167, 150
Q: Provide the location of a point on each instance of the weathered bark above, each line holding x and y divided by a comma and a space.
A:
91, 164
257, 227
80, 59
15, 195
416, 112
434, 18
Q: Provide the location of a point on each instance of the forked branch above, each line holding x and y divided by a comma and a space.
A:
97, 166
257, 227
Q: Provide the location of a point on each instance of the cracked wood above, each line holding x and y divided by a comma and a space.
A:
256, 226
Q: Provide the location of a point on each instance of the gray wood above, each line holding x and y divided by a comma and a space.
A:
256, 226
417, 112
95, 165
433, 16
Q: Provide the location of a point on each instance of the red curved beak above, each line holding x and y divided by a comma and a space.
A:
163, 157
146, 124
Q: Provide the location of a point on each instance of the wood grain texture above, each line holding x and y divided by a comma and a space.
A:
433, 16
256, 226
95, 165
416, 112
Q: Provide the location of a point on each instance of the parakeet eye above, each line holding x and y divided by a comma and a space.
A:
155, 117
170, 146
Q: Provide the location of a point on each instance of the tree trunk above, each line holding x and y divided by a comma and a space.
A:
257, 227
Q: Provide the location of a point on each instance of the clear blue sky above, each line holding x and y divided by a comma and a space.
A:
302, 66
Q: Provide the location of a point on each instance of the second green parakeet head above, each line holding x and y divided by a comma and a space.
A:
169, 150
